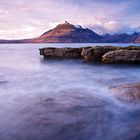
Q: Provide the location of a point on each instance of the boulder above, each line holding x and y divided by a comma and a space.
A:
61, 52
99, 51
122, 56
96, 53
127, 93
88, 53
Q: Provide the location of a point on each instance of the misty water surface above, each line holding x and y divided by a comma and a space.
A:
63, 100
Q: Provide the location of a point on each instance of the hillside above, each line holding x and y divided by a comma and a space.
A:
67, 33
137, 39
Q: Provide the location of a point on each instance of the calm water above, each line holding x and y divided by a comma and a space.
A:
63, 100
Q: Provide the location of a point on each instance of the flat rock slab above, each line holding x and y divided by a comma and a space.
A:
122, 57
61, 52
127, 93
102, 54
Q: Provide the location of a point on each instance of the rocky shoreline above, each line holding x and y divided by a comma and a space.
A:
102, 54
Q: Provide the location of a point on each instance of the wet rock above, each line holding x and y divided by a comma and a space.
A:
42, 51
104, 54
61, 52
130, 48
127, 93
88, 53
122, 57
96, 53
100, 51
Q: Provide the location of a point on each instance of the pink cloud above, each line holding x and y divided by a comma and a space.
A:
41, 15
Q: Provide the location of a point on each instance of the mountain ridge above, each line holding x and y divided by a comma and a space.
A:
68, 33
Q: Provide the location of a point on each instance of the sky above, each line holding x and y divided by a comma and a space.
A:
31, 18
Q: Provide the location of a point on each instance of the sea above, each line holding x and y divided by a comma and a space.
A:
63, 99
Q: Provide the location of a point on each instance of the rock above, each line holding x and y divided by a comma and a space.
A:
130, 48
105, 54
88, 53
100, 51
96, 53
121, 57
42, 51
127, 93
61, 52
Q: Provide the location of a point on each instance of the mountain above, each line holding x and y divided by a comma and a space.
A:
68, 33
120, 38
137, 39
16, 41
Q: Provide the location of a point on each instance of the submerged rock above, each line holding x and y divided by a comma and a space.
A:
122, 56
127, 93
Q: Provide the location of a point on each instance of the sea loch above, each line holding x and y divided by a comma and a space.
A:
63, 100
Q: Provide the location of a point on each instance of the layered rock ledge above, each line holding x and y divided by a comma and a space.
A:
102, 54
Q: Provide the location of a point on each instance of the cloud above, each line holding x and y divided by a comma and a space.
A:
53, 24
26, 19
113, 27
3, 12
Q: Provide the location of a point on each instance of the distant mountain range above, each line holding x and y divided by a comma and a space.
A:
68, 33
